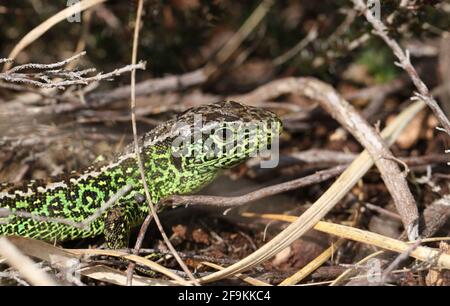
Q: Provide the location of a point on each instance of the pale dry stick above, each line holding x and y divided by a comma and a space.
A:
358, 42
100, 76
323, 205
236, 40
355, 124
37, 32
14, 275
422, 253
100, 99
404, 3
106, 274
384, 89
338, 157
137, 245
58, 257
24, 265
434, 239
435, 216
343, 28
356, 278
147, 87
139, 159
137, 259
312, 265
405, 63
351, 272
48, 24
383, 211
324, 156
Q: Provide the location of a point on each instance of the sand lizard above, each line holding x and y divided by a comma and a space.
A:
77, 196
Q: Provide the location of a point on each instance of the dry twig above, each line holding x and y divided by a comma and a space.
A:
140, 164
26, 267
51, 74
318, 177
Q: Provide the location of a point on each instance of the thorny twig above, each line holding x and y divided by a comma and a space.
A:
405, 63
45, 66
54, 76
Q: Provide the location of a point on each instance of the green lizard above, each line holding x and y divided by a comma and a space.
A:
177, 159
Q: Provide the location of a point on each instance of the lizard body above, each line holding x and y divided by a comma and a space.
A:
175, 162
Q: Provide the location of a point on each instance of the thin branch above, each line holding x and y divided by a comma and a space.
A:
45, 66
139, 159
318, 177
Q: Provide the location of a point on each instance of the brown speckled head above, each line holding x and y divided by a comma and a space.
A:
221, 135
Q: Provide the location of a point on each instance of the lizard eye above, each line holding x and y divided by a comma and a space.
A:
224, 134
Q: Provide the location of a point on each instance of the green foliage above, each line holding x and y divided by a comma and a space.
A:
379, 61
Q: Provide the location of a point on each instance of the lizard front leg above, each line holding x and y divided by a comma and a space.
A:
117, 228
118, 223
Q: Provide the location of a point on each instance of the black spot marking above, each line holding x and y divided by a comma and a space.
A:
177, 161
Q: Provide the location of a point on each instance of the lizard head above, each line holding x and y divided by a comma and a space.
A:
221, 135
186, 153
